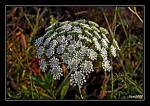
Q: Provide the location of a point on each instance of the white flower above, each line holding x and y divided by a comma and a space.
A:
62, 32
113, 50
66, 58
106, 65
116, 44
73, 42
85, 26
56, 72
97, 44
82, 37
91, 54
88, 33
53, 43
66, 27
50, 52
104, 43
54, 34
104, 31
60, 49
86, 67
39, 41
40, 51
78, 55
64, 23
47, 41
95, 29
54, 62
77, 29
51, 26
83, 50
71, 48
69, 37
74, 23
104, 36
47, 34
104, 53
77, 78
87, 39
78, 44
43, 65
73, 65
93, 23
60, 39
81, 21
75, 32
97, 34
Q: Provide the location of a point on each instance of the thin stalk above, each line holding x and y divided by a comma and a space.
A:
31, 85
67, 75
115, 18
80, 91
116, 27
137, 66
30, 74
107, 23
36, 89
104, 86
122, 24
112, 84
129, 46
112, 80
135, 12
28, 21
17, 58
124, 69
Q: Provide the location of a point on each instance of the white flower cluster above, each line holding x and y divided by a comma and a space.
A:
76, 45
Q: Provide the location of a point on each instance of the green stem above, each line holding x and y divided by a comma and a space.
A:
112, 84
67, 76
31, 85
36, 89
115, 18
122, 24
80, 91
107, 23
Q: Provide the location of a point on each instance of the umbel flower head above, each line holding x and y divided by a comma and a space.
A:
77, 45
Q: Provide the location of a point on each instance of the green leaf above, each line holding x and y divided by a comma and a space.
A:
64, 91
138, 90
61, 85
44, 95
53, 20
24, 87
